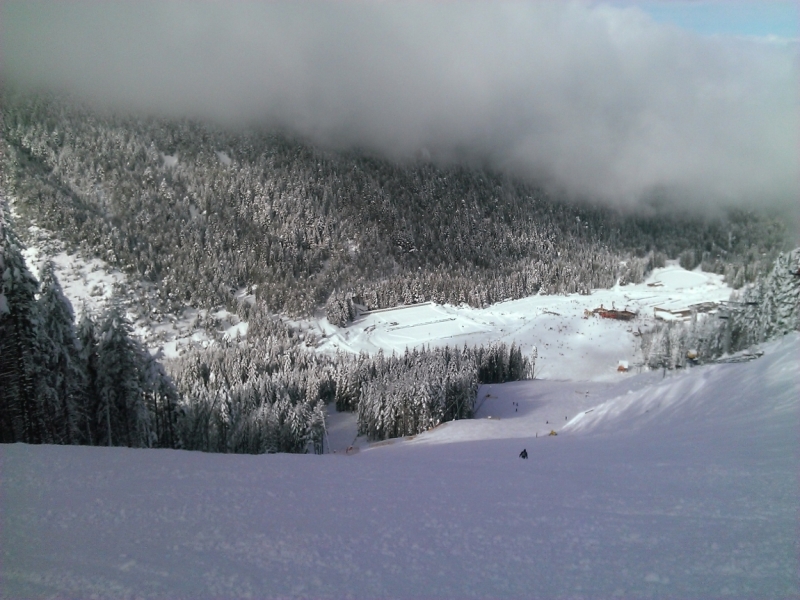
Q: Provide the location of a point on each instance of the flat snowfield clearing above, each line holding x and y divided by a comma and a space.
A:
569, 346
682, 487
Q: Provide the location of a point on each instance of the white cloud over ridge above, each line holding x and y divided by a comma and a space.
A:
600, 102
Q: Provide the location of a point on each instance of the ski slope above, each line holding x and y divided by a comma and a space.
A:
569, 346
676, 486
684, 486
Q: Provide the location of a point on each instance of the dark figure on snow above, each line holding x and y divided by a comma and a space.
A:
524, 453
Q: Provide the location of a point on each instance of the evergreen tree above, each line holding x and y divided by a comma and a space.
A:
162, 402
341, 311
123, 418
317, 428
21, 418
87, 339
516, 367
60, 385
782, 294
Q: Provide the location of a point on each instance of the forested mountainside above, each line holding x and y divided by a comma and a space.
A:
202, 212
96, 384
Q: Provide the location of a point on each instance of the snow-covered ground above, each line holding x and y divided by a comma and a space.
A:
569, 346
679, 486
92, 283
684, 486
86, 282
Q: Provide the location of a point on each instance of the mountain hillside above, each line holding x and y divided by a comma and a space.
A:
204, 213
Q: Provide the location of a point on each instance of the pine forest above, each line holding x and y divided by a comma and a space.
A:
197, 213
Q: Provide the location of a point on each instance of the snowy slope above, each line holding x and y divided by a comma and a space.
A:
686, 487
569, 346
93, 283
86, 282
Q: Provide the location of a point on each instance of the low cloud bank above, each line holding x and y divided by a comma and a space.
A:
597, 101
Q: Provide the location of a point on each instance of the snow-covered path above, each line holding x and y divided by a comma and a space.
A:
685, 488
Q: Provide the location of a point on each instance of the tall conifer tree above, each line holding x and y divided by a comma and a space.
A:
123, 418
60, 383
20, 413
87, 338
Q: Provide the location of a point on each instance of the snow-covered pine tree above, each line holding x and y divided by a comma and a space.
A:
768, 308
745, 321
21, 419
123, 417
196, 416
348, 384
87, 338
782, 294
299, 421
281, 423
530, 364
657, 353
337, 310
60, 385
317, 428
162, 402
516, 364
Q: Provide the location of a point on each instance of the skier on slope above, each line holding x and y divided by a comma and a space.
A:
524, 453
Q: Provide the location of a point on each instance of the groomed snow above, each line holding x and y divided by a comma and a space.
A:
684, 486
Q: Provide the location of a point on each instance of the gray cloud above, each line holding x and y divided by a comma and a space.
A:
598, 101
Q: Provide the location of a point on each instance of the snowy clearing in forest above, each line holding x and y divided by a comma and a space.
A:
682, 486
86, 282
93, 283
569, 345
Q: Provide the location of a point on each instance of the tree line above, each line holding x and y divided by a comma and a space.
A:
93, 383
271, 396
